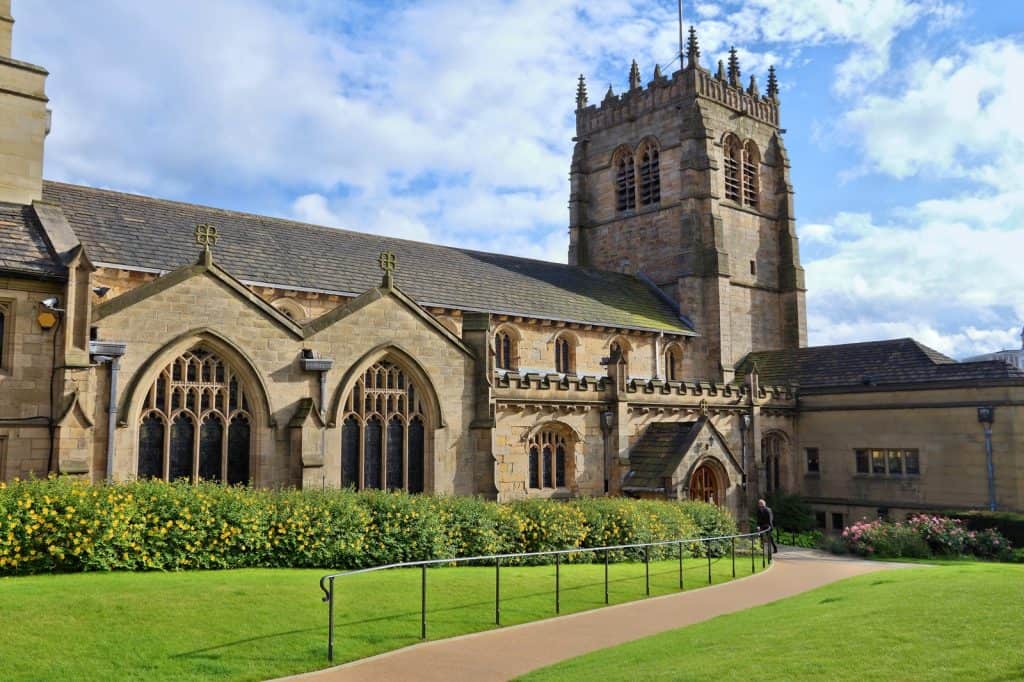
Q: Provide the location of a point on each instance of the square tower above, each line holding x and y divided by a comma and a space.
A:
686, 182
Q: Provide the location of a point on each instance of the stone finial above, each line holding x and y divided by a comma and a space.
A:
752, 89
206, 237
734, 68
634, 76
773, 84
720, 74
581, 93
692, 50
388, 262
658, 75
610, 95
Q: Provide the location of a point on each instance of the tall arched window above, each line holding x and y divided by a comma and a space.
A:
564, 356
504, 350
733, 152
751, 174
650, 176
625, 183
548, 452
772, 447
383, 431
196, 422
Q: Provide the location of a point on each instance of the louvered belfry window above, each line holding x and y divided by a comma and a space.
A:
751, 179
650, 177
383, 431
196, 422
625, 184
733, 190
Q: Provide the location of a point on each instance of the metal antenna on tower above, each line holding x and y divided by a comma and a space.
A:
680, 33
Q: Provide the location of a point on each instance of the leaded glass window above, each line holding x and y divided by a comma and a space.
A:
383, 435
195, 422
548, 453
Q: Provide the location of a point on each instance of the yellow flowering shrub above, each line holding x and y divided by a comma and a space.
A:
65, 525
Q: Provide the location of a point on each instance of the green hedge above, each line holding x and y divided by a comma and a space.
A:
61, 525
1009, 524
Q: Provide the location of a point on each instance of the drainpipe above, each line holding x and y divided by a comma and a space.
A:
987, 415
109, 351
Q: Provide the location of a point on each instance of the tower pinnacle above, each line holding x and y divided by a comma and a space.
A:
734, 68
634, 76
581, 93
773, 84
692, 50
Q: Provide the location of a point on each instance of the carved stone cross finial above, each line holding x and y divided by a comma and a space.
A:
703, 407
388, 262
206, 235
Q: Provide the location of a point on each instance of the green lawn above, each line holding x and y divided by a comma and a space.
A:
952, 622
255, 624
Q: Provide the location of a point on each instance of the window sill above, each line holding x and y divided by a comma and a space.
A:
889, 477
812, 474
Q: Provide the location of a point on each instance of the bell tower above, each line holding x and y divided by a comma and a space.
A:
686, 182
24, 120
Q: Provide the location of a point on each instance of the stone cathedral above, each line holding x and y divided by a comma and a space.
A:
141, 337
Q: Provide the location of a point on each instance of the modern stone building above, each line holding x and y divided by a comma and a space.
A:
149, 338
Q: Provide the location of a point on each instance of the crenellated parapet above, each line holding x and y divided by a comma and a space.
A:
692, 81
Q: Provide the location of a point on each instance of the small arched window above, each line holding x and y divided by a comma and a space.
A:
673, 361
650, 176
290, 308
751, 174
564, 355
733, 152
5, 310
620, 348
195, 422
548, 453
504, 350
625, 183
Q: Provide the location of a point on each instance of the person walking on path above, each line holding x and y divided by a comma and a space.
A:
766, 522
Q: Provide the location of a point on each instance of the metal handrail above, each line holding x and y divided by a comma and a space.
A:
327, 581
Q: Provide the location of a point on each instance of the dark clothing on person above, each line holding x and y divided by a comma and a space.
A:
766, 521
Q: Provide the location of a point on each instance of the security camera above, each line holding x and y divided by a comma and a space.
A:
100, 291
50, 303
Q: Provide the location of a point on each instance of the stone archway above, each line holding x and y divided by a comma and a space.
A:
706, 485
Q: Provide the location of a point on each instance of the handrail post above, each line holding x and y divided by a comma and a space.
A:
558, 583
733, 538
423, 601
764, 548
497, 591
647, 570
330, 621
707, 550
606, 576
680, 566
753, 569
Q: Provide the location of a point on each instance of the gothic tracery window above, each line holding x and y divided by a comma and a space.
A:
625, 183
504, 350
383, 433
650, 176
548, 453
195, 422
733, 153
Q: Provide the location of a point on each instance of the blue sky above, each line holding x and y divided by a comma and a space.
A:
904, 118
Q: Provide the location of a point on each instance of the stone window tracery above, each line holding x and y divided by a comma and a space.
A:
383, 434
548, 452
196, 422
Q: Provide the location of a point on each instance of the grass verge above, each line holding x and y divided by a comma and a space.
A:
254, 624
955, 621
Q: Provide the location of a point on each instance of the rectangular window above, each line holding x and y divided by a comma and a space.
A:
813, 462
911, 463
753, 267
862, 462
819, 519
895, 462
837, 521
878, 462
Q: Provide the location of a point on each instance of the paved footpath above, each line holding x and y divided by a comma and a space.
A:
504, 653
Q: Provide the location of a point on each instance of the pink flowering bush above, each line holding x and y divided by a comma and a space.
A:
922, 536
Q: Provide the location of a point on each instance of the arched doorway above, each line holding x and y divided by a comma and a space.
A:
705, 485
772, 448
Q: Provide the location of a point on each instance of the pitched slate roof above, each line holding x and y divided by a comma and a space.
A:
23, 249
141, 232
873, 363
658, 453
